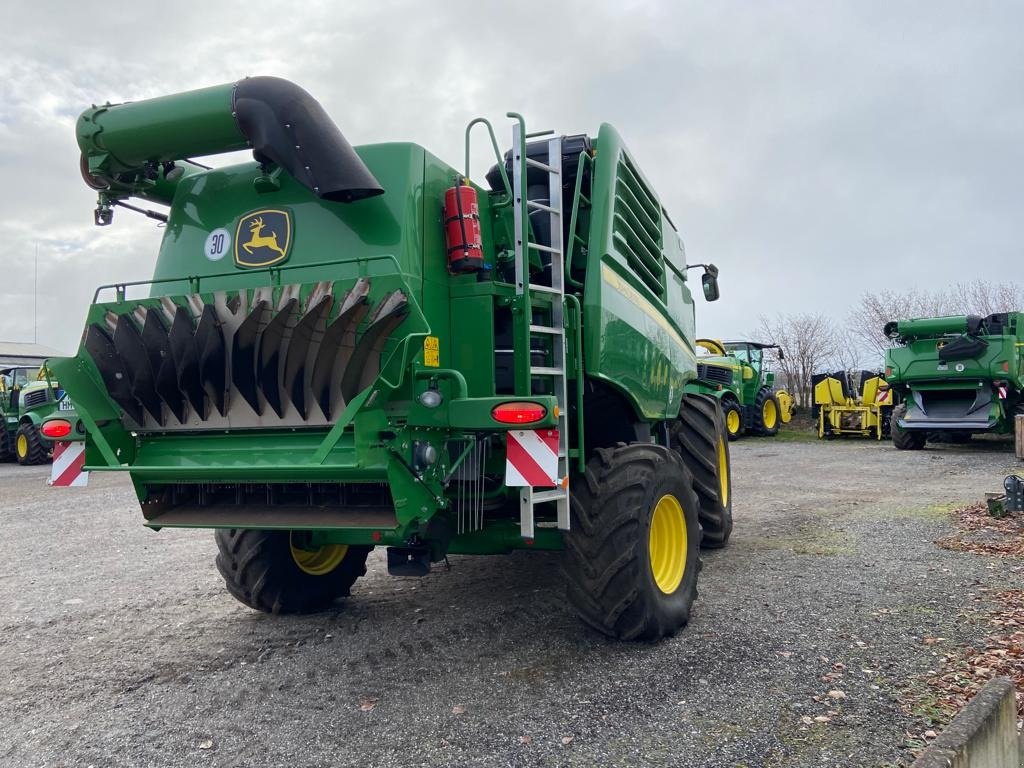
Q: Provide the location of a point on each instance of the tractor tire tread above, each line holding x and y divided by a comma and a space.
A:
259, 571
605, 548
695, 436
905, 439
37, 453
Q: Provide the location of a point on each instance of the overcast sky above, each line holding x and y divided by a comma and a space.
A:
812, 150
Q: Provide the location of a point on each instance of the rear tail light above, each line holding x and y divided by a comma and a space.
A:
518, 413
56, 428
1006, 366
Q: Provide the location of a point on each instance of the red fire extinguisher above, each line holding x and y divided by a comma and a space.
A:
462, 228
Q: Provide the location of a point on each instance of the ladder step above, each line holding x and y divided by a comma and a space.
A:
542, 166
545, 248
547, 329
553, 495
544, 370
545, 289
541, 207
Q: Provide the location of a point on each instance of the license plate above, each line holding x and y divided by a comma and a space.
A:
66, 405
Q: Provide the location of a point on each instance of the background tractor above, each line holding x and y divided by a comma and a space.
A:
344, 348
738, 375
956, 376
27, 396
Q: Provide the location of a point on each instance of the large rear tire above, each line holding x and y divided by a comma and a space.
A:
905, 439
272, 571
632, 552
29, 447
766, 413
700, 437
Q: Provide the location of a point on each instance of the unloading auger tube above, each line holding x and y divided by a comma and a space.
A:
142, 148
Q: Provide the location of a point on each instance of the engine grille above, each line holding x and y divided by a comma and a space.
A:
714, 374
36, 397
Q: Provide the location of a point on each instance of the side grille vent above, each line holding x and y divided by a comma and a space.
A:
636, 227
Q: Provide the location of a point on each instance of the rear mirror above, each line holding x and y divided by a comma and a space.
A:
781, 356
709, 282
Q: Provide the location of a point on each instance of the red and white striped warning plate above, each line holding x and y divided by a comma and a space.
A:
532, 458
68, 461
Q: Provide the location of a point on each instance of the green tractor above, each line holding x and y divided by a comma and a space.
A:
955, 377
27, 396
736, 373
344, 348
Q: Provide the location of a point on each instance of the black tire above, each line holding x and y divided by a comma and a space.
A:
700, 437
608, 565
765, 404
733, 416
905, 439
31, 450
6, 451
260, 571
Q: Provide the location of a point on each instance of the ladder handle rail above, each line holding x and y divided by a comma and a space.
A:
577, 195
577, 312
497, 152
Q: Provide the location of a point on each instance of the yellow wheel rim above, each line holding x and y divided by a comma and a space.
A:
667, 544
732, 422
723, 472
22, 446
316, 562
770, 414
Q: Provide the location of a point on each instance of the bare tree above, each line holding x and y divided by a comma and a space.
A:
869, 316
810, 343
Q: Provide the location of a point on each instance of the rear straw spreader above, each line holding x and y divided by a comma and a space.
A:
244, 359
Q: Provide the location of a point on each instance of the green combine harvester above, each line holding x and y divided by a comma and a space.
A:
737, 374
344, 348
955, 376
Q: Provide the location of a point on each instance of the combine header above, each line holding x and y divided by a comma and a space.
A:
344, 348
958, 376
843, 410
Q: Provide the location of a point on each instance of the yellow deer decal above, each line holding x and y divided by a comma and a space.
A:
261, 241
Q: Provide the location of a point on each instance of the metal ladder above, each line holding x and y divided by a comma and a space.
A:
554, 294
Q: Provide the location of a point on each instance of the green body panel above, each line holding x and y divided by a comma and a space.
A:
631, 326
638, 322
977, 390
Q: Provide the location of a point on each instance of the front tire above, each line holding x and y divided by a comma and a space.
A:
766, 413
905, 439
632, 552
274, 572
733, 416
700, 437
29, 447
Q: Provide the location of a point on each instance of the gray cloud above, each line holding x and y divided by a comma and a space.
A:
813, 151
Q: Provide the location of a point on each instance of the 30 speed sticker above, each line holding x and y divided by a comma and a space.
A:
217, 245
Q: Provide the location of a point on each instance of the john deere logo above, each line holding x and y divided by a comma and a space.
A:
263, 238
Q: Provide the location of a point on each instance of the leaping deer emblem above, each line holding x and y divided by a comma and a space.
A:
258, 240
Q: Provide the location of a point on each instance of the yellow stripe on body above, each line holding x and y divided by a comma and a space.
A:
617, 283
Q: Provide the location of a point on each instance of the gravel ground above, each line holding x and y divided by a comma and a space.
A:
119, 646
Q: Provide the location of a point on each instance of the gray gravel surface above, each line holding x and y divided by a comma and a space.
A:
119, 646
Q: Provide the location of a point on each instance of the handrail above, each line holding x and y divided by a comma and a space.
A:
497, 152
194, 280
581, 457
577, 194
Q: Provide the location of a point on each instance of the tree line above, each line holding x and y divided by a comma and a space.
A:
814, 342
